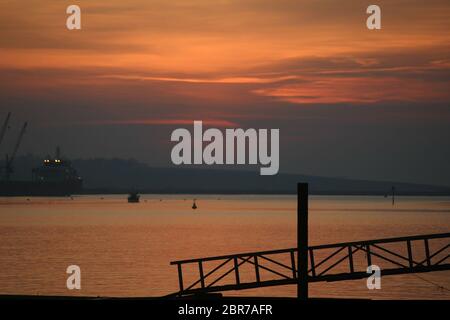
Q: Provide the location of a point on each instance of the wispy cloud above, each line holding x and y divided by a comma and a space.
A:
161, 122
360, 90
229, 80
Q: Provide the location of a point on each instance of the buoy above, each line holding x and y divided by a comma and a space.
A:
194, 206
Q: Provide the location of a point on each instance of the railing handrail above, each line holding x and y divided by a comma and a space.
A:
244, 254
324, 246
383, 240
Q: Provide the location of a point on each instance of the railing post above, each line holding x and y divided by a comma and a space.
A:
236, 270
350, 259
369, 258
256, 268
294, 271
427, 252
302, 241
180, 277
202, 279
311, 261
410, 258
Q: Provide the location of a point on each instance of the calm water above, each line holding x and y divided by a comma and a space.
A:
125, 249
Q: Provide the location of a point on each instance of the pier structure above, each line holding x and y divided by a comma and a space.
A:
304, 264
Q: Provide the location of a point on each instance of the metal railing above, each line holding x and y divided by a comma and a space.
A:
399, 256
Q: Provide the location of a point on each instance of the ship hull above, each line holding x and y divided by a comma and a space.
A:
43, 189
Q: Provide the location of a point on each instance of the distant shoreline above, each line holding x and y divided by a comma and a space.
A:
119, 176
229, 192
260, 192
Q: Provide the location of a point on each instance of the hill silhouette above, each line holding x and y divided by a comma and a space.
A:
123, 175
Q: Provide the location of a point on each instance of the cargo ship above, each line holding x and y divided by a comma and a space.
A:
55, 177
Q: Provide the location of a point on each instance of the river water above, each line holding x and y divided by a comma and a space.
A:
125, 249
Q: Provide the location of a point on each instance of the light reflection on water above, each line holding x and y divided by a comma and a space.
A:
124, 249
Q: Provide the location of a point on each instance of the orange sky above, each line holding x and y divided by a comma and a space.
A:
316, 51
140, 68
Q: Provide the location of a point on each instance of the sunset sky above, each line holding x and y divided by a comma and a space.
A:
349, 102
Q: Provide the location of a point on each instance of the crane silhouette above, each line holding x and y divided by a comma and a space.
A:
10, 158
4, 127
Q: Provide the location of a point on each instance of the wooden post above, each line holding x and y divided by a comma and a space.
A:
302, 241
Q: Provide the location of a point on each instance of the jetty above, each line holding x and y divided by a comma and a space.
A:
305, 264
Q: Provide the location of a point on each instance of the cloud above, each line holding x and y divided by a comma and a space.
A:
224, 57
229, 80
161, 122
360, 90
420, 74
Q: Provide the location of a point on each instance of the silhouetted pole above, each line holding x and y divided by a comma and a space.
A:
393, 195
302, 241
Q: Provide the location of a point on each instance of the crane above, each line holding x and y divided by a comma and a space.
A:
9, 160
4, 128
